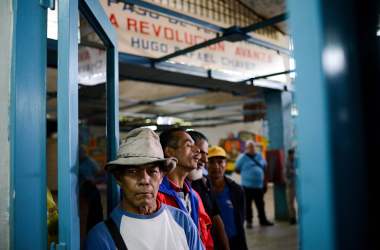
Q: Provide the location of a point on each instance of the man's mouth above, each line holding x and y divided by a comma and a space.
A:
196, 158
144, 194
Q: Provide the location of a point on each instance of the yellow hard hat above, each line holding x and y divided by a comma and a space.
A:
216, 151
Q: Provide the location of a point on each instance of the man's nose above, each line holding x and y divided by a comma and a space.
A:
216, 165
205, 159
143, 176
196, 150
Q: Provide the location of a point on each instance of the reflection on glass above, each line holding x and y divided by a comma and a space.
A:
92, 56
92, 128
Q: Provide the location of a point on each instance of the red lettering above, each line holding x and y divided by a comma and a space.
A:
156, 29
144, 27
177, 38
189, 38
218, 46
131, 24
84, 55
256, 55
248, 53
237, 51
168, 33
113, 20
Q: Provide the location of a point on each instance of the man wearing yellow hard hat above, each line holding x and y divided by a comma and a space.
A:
229, 196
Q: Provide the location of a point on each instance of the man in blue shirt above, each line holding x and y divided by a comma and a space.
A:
229, 196
251, 167
140, 221
201, 184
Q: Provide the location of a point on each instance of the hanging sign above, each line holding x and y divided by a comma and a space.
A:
92, 66
151, 34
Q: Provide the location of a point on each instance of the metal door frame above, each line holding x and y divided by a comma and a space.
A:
28, 126
337, 58
68, 17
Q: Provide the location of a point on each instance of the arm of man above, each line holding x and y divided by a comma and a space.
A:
238, 164
220, 232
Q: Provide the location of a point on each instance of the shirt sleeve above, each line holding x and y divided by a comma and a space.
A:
194, 238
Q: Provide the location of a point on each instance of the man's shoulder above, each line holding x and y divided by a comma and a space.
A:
242, 157
232, 184
182, 218
199, 184
260, 157
99, 238
177, 213
98, 229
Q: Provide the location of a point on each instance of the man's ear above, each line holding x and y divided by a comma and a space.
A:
169, 152
162, 176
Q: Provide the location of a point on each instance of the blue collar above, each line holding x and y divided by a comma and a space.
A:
167, 188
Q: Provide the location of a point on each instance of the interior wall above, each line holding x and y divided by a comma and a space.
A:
5, 74
214, 134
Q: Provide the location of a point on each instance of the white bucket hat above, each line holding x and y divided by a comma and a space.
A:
141, 146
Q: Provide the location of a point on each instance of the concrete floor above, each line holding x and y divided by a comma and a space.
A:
281, 236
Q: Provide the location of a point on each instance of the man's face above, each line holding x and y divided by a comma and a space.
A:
140, 186
251, 149
186, 152
216, 167
203, 148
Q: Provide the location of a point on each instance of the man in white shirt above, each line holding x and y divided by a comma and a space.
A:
140, 221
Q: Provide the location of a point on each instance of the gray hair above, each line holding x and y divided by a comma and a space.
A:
247, 143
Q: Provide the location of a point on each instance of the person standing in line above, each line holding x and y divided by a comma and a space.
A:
251, 166
140, 221
89, 175
230, 198
175, 189
291, 175
201, 184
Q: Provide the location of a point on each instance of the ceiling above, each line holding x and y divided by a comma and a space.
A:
268, 9
143, 104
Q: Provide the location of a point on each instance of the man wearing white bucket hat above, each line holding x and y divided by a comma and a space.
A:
140, 221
